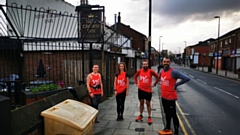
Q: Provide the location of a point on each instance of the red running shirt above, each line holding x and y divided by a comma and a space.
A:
121, 83
167, 85
145, 80
95, 81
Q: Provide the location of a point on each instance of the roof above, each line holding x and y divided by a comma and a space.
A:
230, 32
204, 43
128, 26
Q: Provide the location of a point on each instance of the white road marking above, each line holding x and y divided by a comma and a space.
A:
201, 81
191, 76
226, 92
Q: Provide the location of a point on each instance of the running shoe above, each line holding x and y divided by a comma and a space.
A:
118, 118
96, 120
149, 120
165, 131
139, 118
121, 118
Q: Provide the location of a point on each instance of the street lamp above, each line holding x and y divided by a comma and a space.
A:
162, 49
179, 56
184, 56
149, 37
159, 50
217, 47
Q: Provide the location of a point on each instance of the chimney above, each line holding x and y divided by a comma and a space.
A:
119, 17
84, 2
115, 21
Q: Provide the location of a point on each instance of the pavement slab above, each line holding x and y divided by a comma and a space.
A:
107, 115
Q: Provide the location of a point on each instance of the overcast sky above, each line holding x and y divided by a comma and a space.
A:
176, 20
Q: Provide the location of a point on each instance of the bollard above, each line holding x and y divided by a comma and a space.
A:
5, 115
238, 73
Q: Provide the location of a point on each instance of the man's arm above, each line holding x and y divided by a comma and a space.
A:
136, 77
156, 76
88, 82
101, 85
178, 75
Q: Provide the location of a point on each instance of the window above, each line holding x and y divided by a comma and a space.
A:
226, 42
119, 60
230, 40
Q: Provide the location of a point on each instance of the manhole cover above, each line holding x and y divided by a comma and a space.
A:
139, 129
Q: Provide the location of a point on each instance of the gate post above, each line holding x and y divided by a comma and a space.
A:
5, 115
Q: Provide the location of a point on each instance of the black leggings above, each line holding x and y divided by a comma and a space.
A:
120, 98
95, 100
170, 112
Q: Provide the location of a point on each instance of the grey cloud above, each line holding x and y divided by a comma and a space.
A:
177, 11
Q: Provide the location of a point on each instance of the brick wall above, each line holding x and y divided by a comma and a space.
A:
59, 66
203, 55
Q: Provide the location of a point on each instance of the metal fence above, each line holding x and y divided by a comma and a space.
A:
42, 46
38, 46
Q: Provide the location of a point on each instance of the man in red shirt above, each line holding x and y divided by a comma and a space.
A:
95, 87
169, 86
145, 85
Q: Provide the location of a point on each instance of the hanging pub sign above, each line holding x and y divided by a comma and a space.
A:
89, 30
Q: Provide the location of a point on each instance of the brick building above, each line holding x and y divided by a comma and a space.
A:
198, 54
138, 40
228, 48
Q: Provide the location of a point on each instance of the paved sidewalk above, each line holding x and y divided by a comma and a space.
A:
107, 111
107, 115
221, 73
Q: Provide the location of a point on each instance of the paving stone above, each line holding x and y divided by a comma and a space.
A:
101, 124
108, 115
118, 124
103, 131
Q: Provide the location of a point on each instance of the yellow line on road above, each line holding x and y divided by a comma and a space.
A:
182, 126
185, 119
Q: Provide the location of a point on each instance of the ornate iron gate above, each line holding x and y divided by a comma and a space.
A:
31, 36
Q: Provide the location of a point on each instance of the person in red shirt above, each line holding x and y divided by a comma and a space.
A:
169, 86
121, 85
95, 87
145, 85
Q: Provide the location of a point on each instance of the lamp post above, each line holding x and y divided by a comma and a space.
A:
179, 56
162, 50
184, 55
149, 37
217, 47
159, 50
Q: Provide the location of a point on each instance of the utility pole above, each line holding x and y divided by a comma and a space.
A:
162, 50
149, 37
184, 55
159, 51
217, 47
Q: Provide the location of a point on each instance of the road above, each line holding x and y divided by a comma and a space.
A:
208, 104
